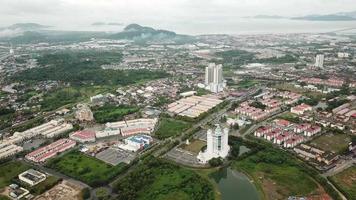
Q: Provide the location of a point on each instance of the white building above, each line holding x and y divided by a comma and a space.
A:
214, 78
217, 145
319, 61
342, 55
136, 142
32, 177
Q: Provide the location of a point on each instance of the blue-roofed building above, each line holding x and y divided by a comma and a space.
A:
135, 143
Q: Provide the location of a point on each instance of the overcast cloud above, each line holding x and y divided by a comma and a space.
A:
159, 13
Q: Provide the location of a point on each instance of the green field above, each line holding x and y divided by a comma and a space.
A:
332, 142
70, 95
195, 146
111, 113
85, 168
9, 171
4, 197
346, 182
247, 83
160, 180
290, 117
276, 175
169, 127
45, 185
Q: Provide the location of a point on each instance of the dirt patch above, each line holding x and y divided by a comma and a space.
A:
62, 191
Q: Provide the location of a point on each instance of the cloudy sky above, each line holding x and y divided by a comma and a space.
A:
159, 13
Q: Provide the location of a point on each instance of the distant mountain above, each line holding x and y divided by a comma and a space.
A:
349, 14
342, 16
98, 24
333, 17
19, 29
143, 33
268, 17
27, 26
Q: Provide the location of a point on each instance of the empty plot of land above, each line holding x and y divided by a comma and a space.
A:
195, 146
346, 181
114, 156
331, 142
62, 191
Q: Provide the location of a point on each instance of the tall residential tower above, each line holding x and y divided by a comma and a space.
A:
319, 61
214, 78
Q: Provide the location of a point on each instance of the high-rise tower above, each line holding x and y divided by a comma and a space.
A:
214, 78
217, 144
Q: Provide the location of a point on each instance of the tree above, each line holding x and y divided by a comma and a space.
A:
215, 162
86, 193
236, 126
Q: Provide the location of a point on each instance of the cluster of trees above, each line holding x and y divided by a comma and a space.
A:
335, 104
279, 60
142, 181
215, 162
258, 104
264, 152
309, 101
83, 67
236, 57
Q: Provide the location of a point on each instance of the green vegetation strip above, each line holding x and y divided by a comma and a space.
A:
161, 180
169, 127
83, 67
9, 171
110, 113
85, 168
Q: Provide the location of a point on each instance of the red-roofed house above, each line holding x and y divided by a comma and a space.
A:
274, 133
312, 131
300, 109
283, 137
301, 127
260, 132
294, 141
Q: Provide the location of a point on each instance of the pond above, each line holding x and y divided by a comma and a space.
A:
234, 185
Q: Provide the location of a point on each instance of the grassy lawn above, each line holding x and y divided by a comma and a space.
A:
47, 184
88, 169
111, 113
169, 127
2, 197
332, 142
346, 182
277, 175
10, 170
160, 180
102, 193
247, 83
290, 117
195, 146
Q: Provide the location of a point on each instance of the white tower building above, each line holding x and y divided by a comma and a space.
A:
319, 61
217, 145
214, 78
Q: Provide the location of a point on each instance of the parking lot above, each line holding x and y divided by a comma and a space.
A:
183, 157
114, 156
